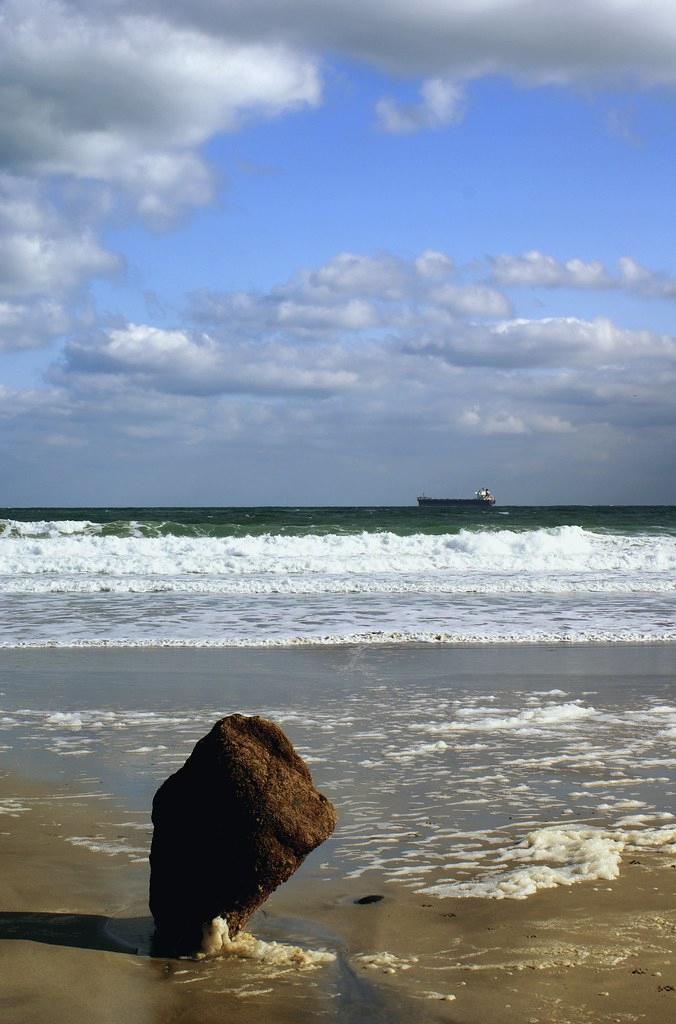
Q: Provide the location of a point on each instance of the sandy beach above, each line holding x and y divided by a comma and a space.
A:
74, 926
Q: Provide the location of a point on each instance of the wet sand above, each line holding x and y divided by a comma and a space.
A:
75, 942
75, 934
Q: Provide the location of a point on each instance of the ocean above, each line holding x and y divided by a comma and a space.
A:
487, 696
200, 577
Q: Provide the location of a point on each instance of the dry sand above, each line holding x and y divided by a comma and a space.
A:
75, 941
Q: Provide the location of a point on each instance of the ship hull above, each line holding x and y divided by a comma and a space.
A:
454, 503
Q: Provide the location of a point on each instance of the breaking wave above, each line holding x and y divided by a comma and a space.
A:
78, 557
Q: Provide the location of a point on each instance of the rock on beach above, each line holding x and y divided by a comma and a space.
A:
231, 825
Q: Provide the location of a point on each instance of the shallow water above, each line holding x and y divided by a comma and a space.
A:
449, 766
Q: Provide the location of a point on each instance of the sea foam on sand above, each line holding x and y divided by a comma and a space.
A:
216, 941
575, 855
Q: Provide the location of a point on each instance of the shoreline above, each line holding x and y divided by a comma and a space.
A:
72, 922
73, 893
360, 640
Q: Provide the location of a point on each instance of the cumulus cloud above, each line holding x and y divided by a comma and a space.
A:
558, 339
376, 355
47, 255
107, 93
433, 265
42, 251
17, 402
183, 362
424, 378
128, 93
49, 263
546, 342
125, 95
350, 273
426, 306
650, 283
442, 103
31, 263
120, 100
354, 315
31, 325
538, 268
534, 42
471, 300
141, 392
353, 292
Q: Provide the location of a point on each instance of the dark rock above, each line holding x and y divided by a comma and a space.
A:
373, 898
230, 826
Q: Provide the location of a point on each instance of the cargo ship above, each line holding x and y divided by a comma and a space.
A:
482, 499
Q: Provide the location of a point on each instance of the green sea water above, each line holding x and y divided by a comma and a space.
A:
301, 521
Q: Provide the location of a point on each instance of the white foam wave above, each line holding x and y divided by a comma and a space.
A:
109, 847
388, 963
561, 559
552, 717
216, 941
578, 636
47, 528
12, 807
553, 856
297, 584
69, 720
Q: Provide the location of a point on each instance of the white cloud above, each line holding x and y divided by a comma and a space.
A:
46, 256
488, 421
544, 343
535, 42
561, 340
360, 354
357, 296
433, 265
633, 273
405, 355
31, 263
40, 250
127, 92
355, 274
537, 268
471, 300
355, 315
442, 103
182, 362
32, 325
351, 292
354, 295
35, 407
139, 391
97, 91
163, 183
646, 282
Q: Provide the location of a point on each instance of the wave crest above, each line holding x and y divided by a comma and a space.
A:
551, 559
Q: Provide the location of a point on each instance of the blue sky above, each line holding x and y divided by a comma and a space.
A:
336, 253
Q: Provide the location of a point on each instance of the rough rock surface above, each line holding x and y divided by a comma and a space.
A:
230, 826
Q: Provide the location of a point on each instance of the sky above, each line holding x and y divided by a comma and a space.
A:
334, 252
